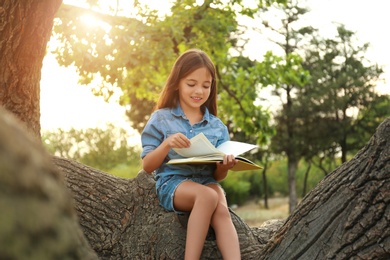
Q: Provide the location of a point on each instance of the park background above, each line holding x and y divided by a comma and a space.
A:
67, 105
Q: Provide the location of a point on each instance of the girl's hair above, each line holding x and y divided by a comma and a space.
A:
188, 62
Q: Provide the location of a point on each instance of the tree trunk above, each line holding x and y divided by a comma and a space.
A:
265, 184
292, 166
305, 179
25, 28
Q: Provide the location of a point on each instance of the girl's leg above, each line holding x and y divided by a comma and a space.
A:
202, 202
226, 234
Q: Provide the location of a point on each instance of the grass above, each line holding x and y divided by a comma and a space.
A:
254, 213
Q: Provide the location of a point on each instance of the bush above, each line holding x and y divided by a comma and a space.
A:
126, 171
105, 149
236, 188
240, 186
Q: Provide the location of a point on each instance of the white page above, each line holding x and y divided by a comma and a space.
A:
235, 148
200, 146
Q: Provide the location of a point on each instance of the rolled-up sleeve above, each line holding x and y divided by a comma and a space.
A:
151, 136
224, 137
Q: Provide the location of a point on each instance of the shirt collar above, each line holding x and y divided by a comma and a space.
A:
178, 111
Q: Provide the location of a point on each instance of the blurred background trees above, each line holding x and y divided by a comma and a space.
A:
327, 110
109, 149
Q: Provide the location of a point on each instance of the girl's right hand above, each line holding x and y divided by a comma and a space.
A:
178, 140
155, 158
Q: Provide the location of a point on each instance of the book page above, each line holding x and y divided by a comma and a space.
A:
200, 146
200, 159
235, 148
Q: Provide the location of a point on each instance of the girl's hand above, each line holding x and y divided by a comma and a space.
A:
178, 140
229, 161
155, 158
221, 171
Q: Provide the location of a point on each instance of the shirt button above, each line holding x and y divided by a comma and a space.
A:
191, 131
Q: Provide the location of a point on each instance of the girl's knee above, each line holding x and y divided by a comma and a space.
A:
209, 197
222, 211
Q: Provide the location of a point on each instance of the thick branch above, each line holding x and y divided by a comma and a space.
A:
122, 218
347, 215
37, 219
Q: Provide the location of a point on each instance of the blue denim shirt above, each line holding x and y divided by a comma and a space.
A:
165, 122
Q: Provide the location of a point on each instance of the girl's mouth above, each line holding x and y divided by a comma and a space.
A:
197, 99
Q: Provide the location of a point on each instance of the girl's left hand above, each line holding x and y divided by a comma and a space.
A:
222, 167
228, 162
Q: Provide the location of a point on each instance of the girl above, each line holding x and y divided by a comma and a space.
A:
186, 107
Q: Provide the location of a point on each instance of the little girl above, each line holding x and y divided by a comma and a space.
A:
186, 107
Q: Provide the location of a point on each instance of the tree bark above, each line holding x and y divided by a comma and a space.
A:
25, 28
37, 217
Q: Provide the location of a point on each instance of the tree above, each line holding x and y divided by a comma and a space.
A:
121, 218
101, 148
342, 85
135, 55
317, 120
291, 77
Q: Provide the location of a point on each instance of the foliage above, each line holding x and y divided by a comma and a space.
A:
367, 121
104, 149
126, 170
236, 188
242, 186
133, 55
339, 97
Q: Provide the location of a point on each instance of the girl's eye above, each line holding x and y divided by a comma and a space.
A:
206, 87
191, 85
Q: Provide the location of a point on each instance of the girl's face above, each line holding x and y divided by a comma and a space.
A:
194, 89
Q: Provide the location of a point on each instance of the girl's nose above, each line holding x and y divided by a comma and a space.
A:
198, 89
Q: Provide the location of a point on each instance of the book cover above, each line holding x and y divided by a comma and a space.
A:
202, 151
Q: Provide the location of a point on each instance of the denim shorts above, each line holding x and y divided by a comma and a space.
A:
167, 189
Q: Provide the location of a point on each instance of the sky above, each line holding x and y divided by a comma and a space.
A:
65, 104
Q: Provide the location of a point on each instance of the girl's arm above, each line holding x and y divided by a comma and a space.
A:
222, 168
155, 158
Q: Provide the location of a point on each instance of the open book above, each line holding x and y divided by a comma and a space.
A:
202, 151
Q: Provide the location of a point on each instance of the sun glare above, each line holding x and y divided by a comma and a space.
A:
89, 20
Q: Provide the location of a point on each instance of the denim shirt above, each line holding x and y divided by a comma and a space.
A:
168, 121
